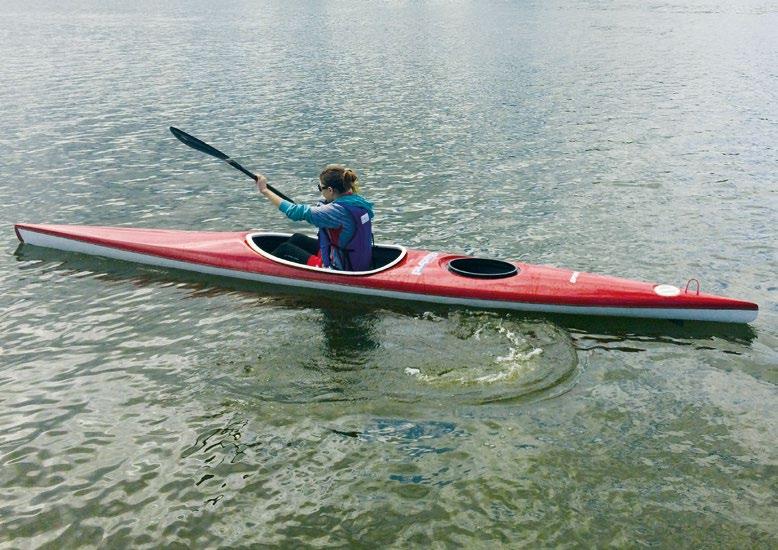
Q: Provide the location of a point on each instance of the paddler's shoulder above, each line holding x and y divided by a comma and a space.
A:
353, 199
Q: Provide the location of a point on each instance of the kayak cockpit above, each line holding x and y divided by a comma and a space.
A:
384, 256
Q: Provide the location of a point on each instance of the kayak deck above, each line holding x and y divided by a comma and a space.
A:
407, 274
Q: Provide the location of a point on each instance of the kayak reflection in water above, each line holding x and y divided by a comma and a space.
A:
344, 220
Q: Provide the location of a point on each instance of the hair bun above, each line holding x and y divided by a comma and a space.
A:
340, 178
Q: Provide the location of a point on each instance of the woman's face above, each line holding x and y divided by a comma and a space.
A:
327, 192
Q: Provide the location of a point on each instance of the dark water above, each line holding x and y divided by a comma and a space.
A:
143, 407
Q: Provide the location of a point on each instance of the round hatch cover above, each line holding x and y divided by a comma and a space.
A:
667, 291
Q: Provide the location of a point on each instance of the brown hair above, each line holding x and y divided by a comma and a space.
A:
340, 178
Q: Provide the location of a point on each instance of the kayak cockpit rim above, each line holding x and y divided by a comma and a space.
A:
386, 255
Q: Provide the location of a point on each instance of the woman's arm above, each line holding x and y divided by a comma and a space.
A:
262, 187
327, 215
295, 212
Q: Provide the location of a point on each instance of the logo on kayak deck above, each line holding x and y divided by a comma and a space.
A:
423, 263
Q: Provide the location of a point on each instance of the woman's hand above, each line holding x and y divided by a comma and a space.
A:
261, 183
265, 190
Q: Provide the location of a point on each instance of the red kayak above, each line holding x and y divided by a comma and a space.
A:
417, 275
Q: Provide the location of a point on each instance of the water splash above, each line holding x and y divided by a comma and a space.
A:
493, 355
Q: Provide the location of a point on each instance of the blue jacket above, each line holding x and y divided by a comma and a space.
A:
329, 216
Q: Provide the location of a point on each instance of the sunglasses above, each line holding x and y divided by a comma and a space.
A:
322, 188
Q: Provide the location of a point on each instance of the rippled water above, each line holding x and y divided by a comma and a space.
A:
146, 407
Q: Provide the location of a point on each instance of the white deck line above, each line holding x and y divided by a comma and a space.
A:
71, 245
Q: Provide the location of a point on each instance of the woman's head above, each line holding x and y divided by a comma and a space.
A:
339, 178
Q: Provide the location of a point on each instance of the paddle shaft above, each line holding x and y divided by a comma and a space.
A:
203, 147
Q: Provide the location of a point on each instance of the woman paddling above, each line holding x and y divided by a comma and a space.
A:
344, 220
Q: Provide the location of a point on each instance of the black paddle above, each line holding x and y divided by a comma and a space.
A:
203, 147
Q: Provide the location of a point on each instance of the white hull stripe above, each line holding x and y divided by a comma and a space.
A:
70, 245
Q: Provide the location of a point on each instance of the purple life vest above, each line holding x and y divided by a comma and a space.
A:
357, 253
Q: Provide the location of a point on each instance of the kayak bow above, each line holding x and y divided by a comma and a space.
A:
401, 273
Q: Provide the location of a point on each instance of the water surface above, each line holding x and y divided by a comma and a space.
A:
146, 407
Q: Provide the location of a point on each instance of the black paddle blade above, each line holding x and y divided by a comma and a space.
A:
195, 143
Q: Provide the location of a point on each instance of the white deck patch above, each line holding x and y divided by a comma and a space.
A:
668, 291
423, 263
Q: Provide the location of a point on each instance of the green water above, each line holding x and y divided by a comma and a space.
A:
141, 407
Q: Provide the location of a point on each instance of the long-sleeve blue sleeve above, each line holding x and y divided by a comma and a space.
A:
295, 212
326, 215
